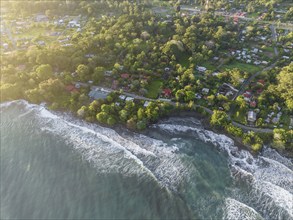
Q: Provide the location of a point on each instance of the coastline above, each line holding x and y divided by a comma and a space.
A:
207, 126
176, 113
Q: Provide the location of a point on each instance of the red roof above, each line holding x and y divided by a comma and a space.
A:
71, 88
259, 91
261, 81
167, 92
252, 104
125, 75
247, 95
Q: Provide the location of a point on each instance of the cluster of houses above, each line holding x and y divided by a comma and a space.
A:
273, 117
23, 25
249, 56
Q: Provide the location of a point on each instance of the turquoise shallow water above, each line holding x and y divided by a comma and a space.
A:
53, 166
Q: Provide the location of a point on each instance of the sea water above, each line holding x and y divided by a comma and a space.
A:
55, 166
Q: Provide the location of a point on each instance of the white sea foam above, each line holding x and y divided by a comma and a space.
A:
144, 156
271, 178
47, 114
274, 172
108, 151
274, 201
238, 210
7, 104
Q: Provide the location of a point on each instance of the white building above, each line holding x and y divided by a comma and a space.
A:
251, 116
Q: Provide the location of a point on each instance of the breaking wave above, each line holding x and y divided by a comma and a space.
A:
267, 179
109, 152
263, 184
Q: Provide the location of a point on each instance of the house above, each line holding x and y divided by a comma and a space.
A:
167, 92
98, 94
257, 62
41, 17
129, 99
73, 23
115, 84
125, 76
77, 85
198, 96
122, 97
267, 120
252, 104
255, 50
41, 43
90, 81
146, 103
275, 120
201, 68
71, 88
108, 73
265, 62
89, 55
227, 90
261, 81
286, 57
291, 122
251, 116
205, 91
74, 74
5, 46
167, 69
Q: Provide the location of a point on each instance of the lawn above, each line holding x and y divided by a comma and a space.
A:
250, 68
183, 60
240, 116
154, 89
209, 65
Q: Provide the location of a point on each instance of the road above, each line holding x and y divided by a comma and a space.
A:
247, 81
257, 130
247, 128
275, 39
286, 26
8, 32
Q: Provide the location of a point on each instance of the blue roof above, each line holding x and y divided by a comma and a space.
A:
98, 94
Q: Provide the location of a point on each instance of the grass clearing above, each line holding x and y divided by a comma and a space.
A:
183, 60
209, 65
250, 68
240, 116
154, 89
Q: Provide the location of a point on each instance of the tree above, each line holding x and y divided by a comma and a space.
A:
82, 111
111, 121
102, 117
219, 119
44, 72
285, 85
98, 74
141, 125
235, 131
140, 114
83, 72
123, 115
131, 123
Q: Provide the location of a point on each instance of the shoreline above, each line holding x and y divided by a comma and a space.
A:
206, 125
178, 113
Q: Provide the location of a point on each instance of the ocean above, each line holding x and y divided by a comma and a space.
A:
54, 166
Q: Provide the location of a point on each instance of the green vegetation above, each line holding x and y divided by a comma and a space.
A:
154, 51
154, 89
242, 66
